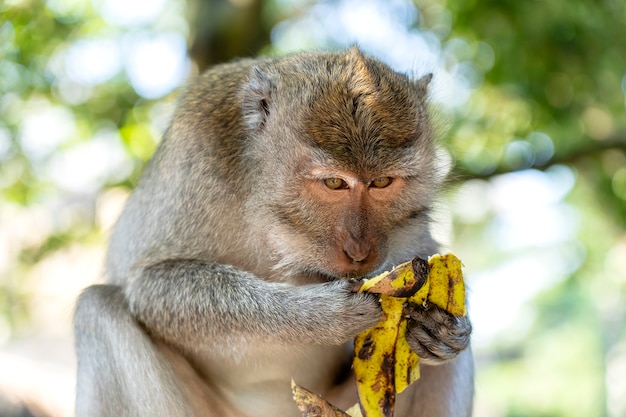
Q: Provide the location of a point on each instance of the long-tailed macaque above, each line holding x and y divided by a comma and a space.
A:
277, 180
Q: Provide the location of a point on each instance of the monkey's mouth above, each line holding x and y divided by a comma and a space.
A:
322, 274
322, 277
327, 277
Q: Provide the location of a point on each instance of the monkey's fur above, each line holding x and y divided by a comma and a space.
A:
277, 179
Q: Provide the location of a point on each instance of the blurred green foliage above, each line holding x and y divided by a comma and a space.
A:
548, 93
33, 40
558, 68
555, 94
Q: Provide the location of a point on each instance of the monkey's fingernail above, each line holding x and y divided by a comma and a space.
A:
355, 285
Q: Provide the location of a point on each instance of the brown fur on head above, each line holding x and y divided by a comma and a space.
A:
348, 118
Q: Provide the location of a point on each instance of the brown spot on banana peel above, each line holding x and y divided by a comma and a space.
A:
365, 352
421, 269
388, 369
384, 391
456, 287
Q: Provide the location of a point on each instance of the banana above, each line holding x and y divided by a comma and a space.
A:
446, 284
374, 360
384, 364
312, 405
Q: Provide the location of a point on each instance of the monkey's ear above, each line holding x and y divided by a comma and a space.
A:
423, 83
257, 99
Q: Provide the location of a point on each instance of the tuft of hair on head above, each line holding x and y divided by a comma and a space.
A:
363, 79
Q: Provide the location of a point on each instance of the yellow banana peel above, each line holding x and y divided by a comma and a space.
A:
446, 284
312, 405
384, 364
375, 358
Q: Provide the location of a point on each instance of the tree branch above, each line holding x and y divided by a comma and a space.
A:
572, 157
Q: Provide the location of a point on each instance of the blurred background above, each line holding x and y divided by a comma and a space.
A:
531, 98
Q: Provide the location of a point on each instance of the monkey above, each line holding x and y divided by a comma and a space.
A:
230, 269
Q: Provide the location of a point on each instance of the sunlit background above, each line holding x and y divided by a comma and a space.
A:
531, 100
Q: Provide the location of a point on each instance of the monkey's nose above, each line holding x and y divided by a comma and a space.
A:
357, 250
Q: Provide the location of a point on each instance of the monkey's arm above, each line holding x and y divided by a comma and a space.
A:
197, 303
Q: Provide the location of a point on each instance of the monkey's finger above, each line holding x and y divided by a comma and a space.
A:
431, 352
432, 313
441, 325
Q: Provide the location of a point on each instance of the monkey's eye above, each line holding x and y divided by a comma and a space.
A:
381, 182
335, 183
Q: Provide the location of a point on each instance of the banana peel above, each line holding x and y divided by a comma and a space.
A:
384, 364
312, 405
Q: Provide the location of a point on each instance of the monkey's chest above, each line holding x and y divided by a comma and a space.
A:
261, 376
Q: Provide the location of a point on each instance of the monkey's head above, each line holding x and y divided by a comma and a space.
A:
344, 157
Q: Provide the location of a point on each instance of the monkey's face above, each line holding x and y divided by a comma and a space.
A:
330, 223
335, 213
354, 214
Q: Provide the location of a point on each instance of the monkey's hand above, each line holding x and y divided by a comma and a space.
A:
436, 335
336, 311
